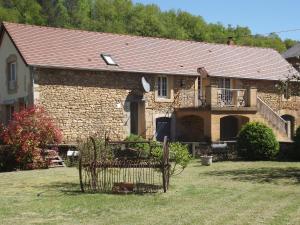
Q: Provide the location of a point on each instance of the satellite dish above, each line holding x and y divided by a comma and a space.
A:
146, 85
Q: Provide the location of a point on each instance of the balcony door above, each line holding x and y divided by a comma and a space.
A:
225, 94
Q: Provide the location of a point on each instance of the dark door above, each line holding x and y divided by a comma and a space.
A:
228, 128
290, 119
134, 117
163, 128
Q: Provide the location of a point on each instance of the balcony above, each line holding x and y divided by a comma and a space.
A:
231, 97
221, 99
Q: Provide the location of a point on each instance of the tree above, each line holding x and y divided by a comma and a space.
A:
125, 17
55, 13
29, 11
79, 12
289, 43
30, 129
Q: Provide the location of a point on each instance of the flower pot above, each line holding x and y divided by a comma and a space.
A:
206, 160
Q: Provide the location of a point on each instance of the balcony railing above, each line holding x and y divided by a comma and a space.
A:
219, 98
231, 97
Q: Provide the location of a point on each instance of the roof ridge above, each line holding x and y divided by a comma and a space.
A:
137, 36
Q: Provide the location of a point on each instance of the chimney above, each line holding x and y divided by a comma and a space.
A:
230, 41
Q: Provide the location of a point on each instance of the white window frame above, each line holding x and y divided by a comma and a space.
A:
160, 87
109, 60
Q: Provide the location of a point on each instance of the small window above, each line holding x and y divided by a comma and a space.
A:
13, 71
162, 87
108, 59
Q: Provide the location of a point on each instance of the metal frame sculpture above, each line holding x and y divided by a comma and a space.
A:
124, 174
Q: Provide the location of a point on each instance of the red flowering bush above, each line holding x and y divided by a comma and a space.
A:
29, 131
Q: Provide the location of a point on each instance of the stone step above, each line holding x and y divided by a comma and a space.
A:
281, 137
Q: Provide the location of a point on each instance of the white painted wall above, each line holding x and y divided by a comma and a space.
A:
7, 48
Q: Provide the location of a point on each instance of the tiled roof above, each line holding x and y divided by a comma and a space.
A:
64, 48
292, 52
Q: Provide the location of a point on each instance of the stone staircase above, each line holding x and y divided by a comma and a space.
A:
268, 116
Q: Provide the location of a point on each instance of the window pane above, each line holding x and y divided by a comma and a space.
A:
159, 86
13, 71
227, 83
164, 87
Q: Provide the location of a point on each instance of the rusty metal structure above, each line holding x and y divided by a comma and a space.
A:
127, 171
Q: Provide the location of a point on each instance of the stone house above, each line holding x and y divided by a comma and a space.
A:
292, 55
91, 82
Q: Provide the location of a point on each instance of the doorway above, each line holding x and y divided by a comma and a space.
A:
225, 93
134, 118
163, 128
291, 120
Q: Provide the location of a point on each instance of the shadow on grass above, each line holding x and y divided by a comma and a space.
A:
63, 188
273, 175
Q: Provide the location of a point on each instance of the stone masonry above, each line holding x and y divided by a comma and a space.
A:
84, 102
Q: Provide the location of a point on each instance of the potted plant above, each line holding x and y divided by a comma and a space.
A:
206, 158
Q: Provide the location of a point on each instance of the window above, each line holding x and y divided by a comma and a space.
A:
162, 87
108, 59
225, 94
224, 83
13, 71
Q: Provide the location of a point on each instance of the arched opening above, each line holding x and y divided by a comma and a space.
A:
190, 128
291, 120
230, 126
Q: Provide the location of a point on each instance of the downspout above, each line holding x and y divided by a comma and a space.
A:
33, 94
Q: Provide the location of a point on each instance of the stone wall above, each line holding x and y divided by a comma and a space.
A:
84, 103
268, 92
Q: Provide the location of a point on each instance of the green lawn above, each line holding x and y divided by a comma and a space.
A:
225, 193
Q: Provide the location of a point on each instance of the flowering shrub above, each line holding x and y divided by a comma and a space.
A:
29, 130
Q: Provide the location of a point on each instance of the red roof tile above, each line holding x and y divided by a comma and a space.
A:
64, 48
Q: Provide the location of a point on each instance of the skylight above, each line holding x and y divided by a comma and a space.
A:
108, 59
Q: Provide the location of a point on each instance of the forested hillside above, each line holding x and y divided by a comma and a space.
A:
123, 16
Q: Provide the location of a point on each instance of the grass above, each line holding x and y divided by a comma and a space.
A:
224, 193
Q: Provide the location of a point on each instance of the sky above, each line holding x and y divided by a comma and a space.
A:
261, 16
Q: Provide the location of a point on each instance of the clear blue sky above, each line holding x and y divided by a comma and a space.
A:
261, 16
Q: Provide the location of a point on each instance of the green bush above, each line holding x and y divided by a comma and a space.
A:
256, 141
179, 156
143, 148
296, 152
87, 150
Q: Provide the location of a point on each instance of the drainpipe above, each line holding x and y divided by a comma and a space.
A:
33, 93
